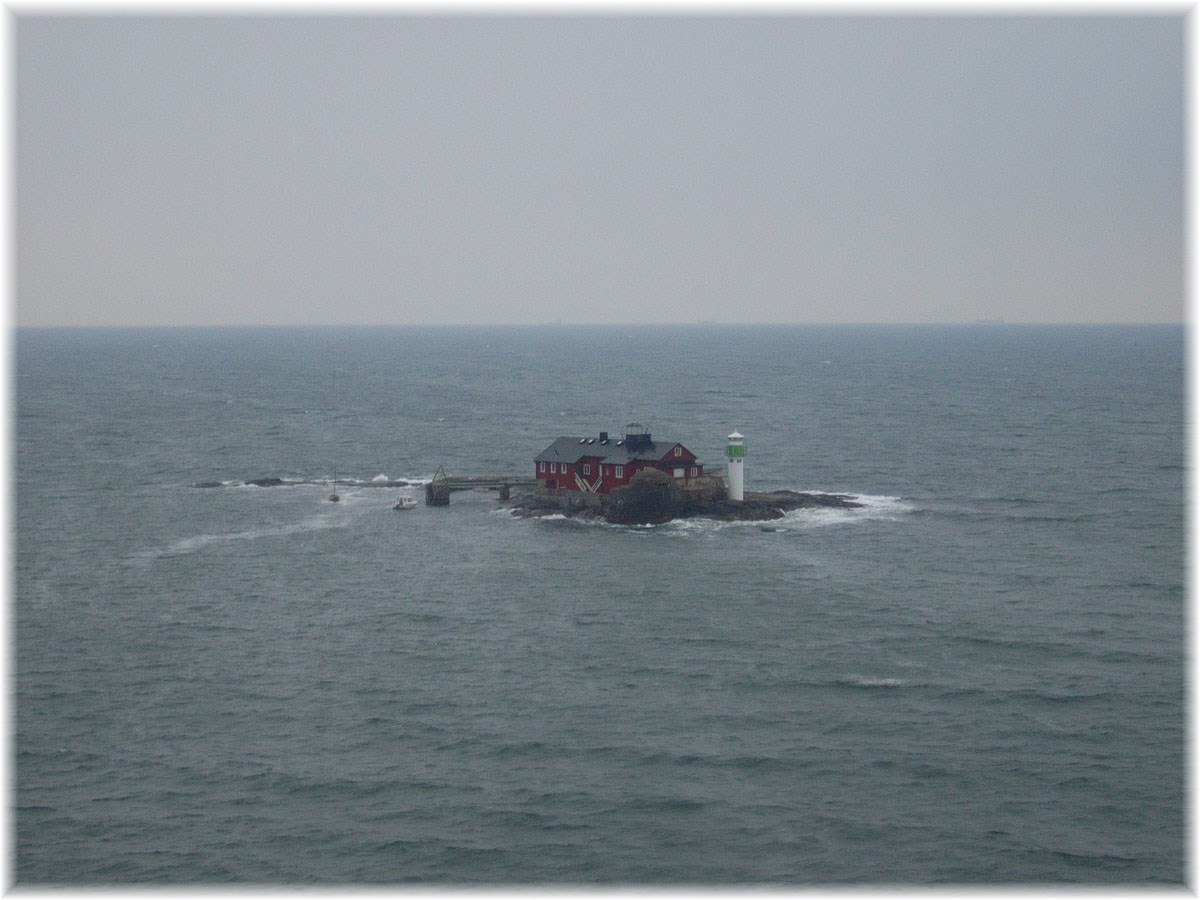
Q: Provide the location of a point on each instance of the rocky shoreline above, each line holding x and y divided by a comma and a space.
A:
653, 500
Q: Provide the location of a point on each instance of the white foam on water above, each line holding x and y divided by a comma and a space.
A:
865, 682
332, 515
881, 503
685, 526
326, 479
871, 508
199, 542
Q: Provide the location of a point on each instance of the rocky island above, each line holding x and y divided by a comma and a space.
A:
653, 498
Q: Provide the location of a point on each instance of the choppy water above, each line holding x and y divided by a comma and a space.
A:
978, 677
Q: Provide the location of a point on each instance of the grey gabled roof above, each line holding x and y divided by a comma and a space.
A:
572, 449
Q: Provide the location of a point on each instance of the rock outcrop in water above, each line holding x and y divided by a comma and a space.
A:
266, 482
654, 497
275, 481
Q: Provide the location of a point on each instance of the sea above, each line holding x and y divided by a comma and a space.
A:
977, 677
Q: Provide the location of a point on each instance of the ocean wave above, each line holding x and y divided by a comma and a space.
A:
863, 681
662, 804
748, 762
871, 507
854, 681
324, 479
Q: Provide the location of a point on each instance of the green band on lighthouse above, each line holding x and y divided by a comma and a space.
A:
737, 450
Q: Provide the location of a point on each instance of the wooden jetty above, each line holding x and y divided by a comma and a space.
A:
437, 491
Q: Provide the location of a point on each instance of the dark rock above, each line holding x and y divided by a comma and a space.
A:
266, 482
536, 506
764, 506
651, 498
207, 484
654, 503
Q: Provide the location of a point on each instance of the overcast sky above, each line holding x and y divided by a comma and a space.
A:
404, 169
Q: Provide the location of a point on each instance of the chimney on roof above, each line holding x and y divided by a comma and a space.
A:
603, 436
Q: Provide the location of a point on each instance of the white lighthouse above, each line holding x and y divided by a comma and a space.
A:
736, 454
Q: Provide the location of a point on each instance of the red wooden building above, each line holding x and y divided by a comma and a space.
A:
600, 464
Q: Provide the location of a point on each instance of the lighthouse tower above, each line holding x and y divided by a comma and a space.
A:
736, 454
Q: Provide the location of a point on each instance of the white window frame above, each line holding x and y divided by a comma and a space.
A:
678, 451
620, 471
587, 468
541, 467
694, 472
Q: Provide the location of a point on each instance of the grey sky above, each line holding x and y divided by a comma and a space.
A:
403, 169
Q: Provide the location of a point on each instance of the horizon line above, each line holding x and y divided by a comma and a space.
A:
960, 323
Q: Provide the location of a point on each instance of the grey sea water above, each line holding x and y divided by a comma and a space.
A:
978, 677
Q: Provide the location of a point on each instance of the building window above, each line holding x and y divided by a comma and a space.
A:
694, 472
541, 467
620, 471
679, 451
587, 468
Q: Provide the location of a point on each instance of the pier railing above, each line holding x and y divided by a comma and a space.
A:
437, 491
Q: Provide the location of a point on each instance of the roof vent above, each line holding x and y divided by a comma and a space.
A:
591, 440
619, 443
603, 437
583, 440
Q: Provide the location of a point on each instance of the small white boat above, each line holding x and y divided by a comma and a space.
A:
405, 503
